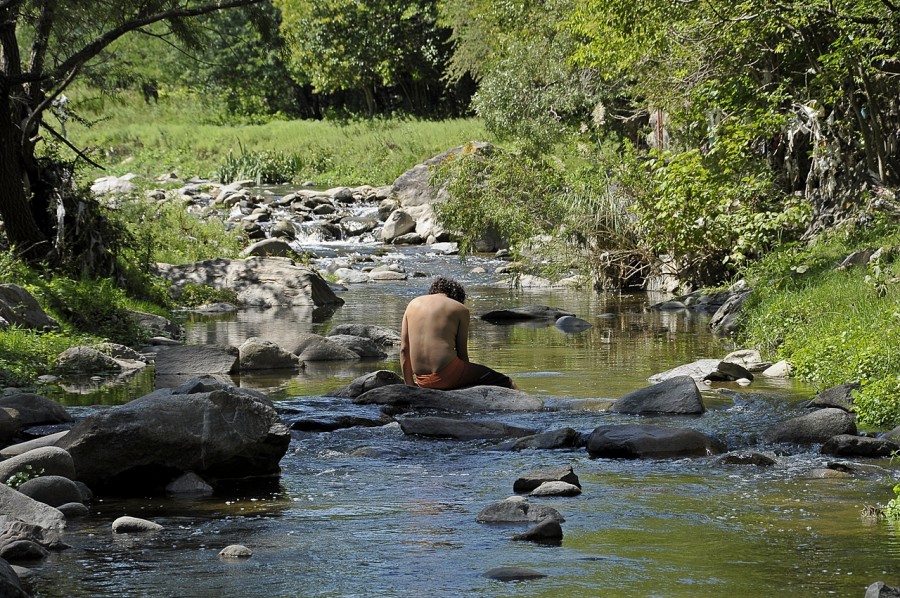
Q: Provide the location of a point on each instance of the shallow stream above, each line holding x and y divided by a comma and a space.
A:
371, 512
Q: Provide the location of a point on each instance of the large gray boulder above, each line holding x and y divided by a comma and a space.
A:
476, 398
813, 428
260, 354
214, 430
460, 429
16, 509
19, 308
257, 281
678, 395
636, 441
366, 383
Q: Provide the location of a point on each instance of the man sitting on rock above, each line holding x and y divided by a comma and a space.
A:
434, 342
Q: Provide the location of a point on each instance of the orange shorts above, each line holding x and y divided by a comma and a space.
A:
462, 374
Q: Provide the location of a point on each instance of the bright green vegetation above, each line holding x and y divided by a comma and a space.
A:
187, 135
834, 326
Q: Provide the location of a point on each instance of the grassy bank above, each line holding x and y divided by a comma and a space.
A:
187, 134
834, 325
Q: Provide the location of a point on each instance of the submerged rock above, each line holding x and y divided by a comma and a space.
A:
476, 398
546, 531
521, 314
513, 574
459, 429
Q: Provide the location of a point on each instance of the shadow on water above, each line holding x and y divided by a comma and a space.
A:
369, 511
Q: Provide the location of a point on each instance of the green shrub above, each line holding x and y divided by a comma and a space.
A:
834, 326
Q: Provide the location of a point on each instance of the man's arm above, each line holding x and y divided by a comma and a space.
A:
405, 360
462, 335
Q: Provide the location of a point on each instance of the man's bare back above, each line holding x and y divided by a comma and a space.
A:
434, 342
435, 330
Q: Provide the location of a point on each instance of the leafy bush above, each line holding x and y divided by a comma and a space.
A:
513, 196
713, 212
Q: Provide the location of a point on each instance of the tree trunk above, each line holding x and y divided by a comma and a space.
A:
21, 228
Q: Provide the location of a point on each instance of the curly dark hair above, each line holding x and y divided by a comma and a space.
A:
448, 287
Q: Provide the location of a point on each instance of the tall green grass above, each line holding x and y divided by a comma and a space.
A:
834, 326
186, 133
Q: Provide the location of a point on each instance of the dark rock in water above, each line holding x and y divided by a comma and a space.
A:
839, 396
850, 445
812, 428
225, 433
517, 509
533, 479
564, 438
571, 324
459, 429
23, 550
746, 458
636, 441
880, 590
547, 531
10, 584
678, 395
366, 383
513, 574
476, 398
520, 314
35, 409
51, 490
337, 422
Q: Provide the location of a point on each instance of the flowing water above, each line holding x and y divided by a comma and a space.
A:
371, 512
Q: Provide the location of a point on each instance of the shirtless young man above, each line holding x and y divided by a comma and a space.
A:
434, 340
